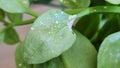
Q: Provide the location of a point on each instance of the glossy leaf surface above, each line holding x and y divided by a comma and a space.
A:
81, 55
75, 3
14, 6
50, 35
109, 52
113, 1
19, 57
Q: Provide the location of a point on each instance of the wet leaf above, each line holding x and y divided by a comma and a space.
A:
14, 6
50, 35
113, 1
81, 55
19, 57
109, 52
76, 3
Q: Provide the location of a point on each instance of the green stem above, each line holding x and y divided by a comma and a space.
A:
33, 13
21, 23
99, 9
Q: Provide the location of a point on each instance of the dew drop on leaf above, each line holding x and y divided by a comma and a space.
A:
20, 65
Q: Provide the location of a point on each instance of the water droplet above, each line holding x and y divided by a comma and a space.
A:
25, 2
74, 0
57, 22
62, 12
20, 65
105, 7
50, 32
32, 28
95, 10
70, 24
72, 17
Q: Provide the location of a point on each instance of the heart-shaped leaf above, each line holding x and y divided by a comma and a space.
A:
14, 17
76, 3
113, 1
50, 35
81, 55
14, 6
109, 52
11, 36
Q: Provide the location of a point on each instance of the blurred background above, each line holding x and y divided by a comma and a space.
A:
7, 51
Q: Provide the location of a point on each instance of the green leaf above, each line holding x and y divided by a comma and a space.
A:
19, 57
109, 52
111, 26
81, 55
113, 1
50, 35
54, 63
15, 17
2, 15
85, 25
11, 36
14, 6
2, 35
76, 3
41, 1
97, 2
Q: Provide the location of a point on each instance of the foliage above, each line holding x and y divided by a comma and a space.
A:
85, 36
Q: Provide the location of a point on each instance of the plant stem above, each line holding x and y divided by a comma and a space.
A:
21, 23
33, 13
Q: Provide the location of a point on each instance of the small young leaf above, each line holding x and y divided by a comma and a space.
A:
19, 57
14, 6
75, 3
14, 17
81, 55
11, 36
109, 52
113, 1
50, 35
2, 15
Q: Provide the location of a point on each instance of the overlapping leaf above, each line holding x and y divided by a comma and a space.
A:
50, 35
113, 1
81, 55
110, 51
75, 3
